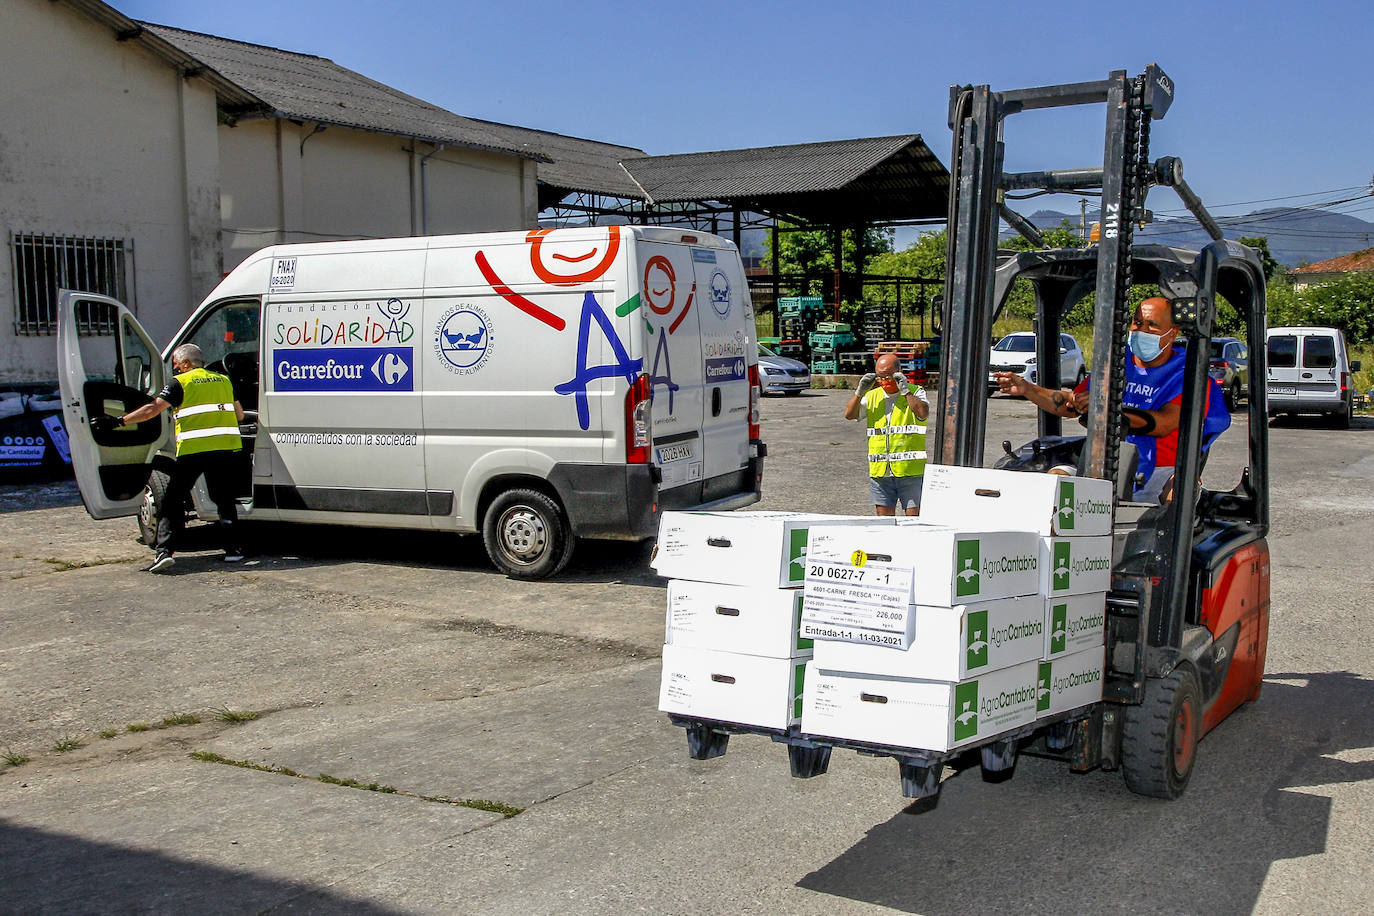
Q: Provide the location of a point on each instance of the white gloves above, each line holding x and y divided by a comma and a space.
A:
902, 386
865, 383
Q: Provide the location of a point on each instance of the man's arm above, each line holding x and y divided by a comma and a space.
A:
1061, 401
146, 412
851, 410
238, 410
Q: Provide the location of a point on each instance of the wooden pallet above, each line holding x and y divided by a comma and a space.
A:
903, 349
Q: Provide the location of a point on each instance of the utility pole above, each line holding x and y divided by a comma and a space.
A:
1083, 218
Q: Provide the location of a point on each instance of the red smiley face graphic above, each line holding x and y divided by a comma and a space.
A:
660, 282
554, 269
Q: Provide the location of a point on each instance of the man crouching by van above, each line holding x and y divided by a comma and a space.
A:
207, 429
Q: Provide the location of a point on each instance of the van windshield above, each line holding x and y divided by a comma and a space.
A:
1283, 351
1319, 353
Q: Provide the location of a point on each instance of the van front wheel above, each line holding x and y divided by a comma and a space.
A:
526, 535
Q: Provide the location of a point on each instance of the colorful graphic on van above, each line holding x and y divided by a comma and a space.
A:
623, 366
344, 369
338, 324
720, 293
514, 298
463, 339
660, 289
666, 378
553, 268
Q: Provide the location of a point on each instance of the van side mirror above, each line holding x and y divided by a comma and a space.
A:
1355, 365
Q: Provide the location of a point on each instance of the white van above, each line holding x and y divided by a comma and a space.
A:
534, 386
1309, 372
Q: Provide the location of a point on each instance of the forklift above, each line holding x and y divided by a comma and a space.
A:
1188, 610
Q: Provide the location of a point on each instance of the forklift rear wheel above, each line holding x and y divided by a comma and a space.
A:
526, 536
153, 494
1159, 738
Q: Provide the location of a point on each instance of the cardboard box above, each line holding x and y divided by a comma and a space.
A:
729, 687
950, 643
1074, 623
950, 566
739, 548
1048, 504
1070, 682
1075, 566
751, 620
931, 715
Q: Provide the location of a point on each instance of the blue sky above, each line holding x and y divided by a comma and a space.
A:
1273, 99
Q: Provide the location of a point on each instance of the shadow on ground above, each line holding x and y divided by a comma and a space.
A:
42, 872
1051, 841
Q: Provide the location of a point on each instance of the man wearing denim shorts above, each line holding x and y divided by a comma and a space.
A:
895, 412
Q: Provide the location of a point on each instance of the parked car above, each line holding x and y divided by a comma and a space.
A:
1309, 372
1016, 353
781, 375
1230, 366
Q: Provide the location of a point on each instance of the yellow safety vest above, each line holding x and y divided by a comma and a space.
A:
206, 421
902, 445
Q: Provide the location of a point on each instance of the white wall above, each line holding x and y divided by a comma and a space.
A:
101, 138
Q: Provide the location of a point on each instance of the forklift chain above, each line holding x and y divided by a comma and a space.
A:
1135, 185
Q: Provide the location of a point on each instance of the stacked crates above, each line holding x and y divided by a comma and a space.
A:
826, 341
880, 322
797, 317
911, 357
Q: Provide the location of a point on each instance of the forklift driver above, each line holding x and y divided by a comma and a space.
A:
1154, 391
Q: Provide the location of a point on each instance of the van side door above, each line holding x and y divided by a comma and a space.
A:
727, 341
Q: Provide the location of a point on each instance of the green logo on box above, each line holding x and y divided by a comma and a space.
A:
1061, 565
1065, 505
798, 682
796, 555
977, 640
1042, 687
966, 577
802, 641
965, 710
1059, 628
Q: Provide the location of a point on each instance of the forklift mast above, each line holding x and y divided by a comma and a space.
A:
1152, 609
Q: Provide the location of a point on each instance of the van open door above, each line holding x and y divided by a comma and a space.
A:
111, 369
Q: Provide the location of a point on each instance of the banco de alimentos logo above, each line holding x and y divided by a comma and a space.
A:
966, 575
463, 339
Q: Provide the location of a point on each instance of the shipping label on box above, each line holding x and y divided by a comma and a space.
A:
908, 713
1074, 623
740, 548
752, 620
729, 687
1047, 504
950, 566
867, 603
1069, 682
1075, 566
949, 643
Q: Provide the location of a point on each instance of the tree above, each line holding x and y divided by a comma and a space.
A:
1261, 244
1347, 304
810, 253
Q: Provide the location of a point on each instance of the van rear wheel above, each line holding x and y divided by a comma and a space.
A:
526, 535
153, 495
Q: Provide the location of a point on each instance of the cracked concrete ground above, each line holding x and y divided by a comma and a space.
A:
403, 659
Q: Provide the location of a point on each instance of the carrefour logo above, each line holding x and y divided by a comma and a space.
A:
343, 369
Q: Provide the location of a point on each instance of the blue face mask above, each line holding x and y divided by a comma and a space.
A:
1146, 346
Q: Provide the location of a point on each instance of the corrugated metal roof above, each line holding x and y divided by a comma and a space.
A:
309, 88
870, 178
1356, 260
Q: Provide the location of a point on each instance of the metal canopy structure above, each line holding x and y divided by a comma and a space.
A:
833, 184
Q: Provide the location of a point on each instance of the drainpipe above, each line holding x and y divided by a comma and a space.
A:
424, 198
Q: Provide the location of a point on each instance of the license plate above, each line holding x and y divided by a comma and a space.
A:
674, 453
1283, 389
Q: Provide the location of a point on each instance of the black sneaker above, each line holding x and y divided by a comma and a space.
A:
162, 561
233, 555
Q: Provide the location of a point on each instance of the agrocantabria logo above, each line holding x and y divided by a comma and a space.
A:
1066, 505
1059, 628
966, 577
965, 710
977, 640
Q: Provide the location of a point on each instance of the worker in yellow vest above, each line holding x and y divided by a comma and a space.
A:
207, 419
895, 411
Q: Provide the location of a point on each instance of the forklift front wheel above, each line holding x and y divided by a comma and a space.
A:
1159, 737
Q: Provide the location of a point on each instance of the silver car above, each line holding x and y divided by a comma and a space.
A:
780, 375
1016, 353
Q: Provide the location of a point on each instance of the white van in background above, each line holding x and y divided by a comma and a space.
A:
534, 386
1309, 372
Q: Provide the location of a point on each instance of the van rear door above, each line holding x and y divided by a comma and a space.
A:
107, 364
1282, 367
728, 350
1317, 374
672, 307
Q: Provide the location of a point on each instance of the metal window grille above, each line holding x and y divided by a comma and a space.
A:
43, 264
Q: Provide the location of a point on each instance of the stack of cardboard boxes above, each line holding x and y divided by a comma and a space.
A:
974, 620
733, 652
